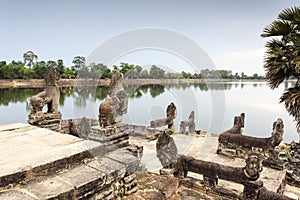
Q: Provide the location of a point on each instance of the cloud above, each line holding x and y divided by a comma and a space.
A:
250, 61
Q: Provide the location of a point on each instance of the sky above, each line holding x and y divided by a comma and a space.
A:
228, 31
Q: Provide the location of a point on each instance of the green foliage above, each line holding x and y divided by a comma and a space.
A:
29, 58
156, 72
17, 69
282, 60
69, 73
40, 69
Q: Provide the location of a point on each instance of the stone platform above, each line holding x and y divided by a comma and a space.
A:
37, 163
204, 147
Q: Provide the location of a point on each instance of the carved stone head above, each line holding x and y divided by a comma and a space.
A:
171, 111
253, 167
239, 120
277, 132
51, 77
116, 83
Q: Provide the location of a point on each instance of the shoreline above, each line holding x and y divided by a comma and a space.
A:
39, 83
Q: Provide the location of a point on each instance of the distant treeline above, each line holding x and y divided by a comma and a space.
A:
30, 68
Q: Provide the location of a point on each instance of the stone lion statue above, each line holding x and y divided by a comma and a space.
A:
50, 95
112, 109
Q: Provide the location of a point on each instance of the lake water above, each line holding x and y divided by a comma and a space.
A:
215, 105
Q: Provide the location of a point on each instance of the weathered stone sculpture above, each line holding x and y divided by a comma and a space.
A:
238, 124
112, 109
247, 143
111, 132
166, 150
50, 97
169, 120
190, 123
250, 172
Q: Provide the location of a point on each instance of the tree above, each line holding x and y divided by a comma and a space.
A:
2, 65
60, 67
79, 62
138, 70
29, 58
282, 59
40, 69
95, 71
124, 68
156, 72
69, 73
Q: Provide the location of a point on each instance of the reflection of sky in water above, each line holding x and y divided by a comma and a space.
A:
257, 100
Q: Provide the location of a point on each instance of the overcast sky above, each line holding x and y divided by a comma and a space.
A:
228, 30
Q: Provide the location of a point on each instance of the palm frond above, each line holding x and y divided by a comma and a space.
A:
291, 99
277, 28
290, 14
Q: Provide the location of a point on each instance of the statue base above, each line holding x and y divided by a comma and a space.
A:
112, 137
46, 120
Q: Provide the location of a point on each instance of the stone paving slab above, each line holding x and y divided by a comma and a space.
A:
111, 168
50, 188
7, 127
16, 195
84, 179
26, 149
125, 158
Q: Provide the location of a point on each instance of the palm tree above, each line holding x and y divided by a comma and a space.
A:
29, 58
282, 60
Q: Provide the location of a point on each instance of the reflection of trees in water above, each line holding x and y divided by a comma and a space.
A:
84, 93
213, 86
14, 95
101, 93
65, 92
154, 90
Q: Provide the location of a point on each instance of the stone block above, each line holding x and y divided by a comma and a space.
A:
7, 127
16, 195
111, 168
108, 192
125, 158
86, 180
57, 140
104, 131
103, 139
51, 188
129, 178
110, 130
50, 161
11, 174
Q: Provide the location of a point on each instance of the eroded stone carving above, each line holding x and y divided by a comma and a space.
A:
166, 150
243, 144
238, 124
50, 97
112, 109
188, 123
169, 120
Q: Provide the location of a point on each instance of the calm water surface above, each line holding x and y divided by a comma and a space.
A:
215, 105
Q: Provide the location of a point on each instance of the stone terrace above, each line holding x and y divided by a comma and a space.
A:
37, 163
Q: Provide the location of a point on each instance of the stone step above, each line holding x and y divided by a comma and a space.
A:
27, 152
95, 178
